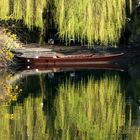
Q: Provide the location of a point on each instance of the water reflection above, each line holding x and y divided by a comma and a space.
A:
95, 109
25, 121
8, 91
65, 107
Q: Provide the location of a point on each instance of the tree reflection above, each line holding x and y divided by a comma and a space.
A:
8, 90
89, 109
95, 109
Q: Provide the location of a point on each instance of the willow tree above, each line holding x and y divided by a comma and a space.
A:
86, 20
91, 20
29, 11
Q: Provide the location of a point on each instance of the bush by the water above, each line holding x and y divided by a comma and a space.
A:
7, 42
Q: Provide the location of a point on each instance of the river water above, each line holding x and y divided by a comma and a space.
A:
70, 105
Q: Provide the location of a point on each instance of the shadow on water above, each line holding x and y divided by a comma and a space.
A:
82, 104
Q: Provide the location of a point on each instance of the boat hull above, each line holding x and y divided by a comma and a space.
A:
67, 60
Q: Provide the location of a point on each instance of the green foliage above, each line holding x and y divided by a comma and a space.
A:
4, 9
7, 42
30, 11
39, 12
92, 20
8, 91
85, 20
18, 9
29, 18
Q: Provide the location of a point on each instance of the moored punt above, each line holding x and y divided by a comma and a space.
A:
57, 59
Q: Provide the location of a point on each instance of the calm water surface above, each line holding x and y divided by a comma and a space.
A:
72, 105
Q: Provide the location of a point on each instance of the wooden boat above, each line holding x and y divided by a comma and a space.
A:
57, 59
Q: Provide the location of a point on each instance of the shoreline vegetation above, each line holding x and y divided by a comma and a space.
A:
8, 41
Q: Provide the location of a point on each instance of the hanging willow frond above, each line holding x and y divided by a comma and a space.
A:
40, 5
4, 9
31, 11
29, 16
90, 19
18, 11
86, 20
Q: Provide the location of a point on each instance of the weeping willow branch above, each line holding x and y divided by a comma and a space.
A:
91, 20
18, 11
30, 11
86, 20
4, 9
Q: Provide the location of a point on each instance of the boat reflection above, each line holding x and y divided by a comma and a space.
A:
52, 68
